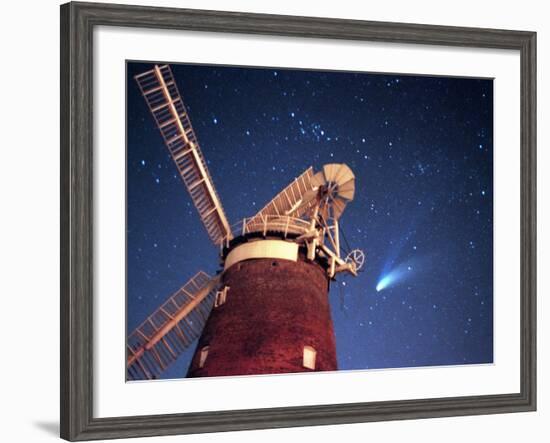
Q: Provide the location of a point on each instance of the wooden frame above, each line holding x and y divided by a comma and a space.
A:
77, 23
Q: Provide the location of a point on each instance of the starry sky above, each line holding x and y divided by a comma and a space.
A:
421, 148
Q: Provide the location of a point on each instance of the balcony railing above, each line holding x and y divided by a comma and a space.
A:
282, 224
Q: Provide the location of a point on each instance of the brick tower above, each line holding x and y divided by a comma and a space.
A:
274, 318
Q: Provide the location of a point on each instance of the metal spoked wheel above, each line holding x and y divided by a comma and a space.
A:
356, 256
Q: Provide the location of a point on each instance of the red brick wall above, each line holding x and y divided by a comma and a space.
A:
273, 309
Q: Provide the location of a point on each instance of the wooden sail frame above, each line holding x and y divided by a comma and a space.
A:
161, 338
161, 94
288, 202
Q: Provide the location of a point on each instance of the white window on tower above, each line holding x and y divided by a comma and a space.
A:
203, 355
310, 355
221, 296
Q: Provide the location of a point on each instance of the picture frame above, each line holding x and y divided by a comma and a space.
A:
78, 21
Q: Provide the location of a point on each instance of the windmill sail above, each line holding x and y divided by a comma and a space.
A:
169, 331
289, 202
159, 89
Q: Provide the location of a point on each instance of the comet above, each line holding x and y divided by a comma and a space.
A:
398, 274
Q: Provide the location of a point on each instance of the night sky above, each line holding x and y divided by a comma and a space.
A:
421, 149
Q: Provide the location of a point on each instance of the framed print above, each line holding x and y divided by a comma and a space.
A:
273, 221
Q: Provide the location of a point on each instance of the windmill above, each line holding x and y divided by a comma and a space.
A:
267, 309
